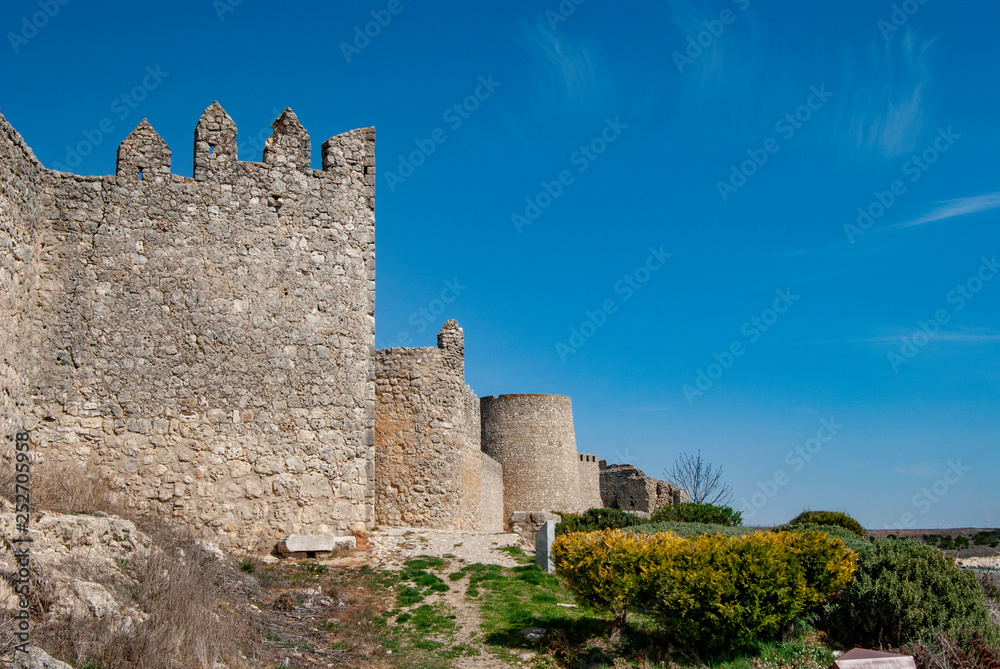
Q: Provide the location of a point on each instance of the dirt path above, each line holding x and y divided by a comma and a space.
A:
389, 548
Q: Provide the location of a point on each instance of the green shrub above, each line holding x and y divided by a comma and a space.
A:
842, 533
837, 518
596, 519
694, 512
902, 592
708, 591
607, 570
730, 592
691, 529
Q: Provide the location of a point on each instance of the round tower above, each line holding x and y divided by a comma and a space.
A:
532, 437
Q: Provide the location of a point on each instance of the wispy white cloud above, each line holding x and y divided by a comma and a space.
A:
884, 112
967, 336
566, 69
955, 208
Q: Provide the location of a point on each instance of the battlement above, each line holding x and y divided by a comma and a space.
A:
206, 342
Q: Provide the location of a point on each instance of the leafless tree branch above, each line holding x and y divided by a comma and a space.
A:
701, 479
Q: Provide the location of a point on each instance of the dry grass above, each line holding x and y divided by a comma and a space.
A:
197, 604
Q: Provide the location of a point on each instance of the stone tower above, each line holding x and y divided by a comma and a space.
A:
532, 437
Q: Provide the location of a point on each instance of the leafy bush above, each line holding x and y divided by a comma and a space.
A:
597, 519
842, 533
708, 591
905, 591
607, 570
733, 591
692, 529
693, 512
837, 518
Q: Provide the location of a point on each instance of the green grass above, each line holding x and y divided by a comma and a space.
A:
517, 553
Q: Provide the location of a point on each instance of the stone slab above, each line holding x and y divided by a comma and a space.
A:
315, 543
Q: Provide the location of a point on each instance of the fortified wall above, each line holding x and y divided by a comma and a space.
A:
429, 468
628, 488
207, 343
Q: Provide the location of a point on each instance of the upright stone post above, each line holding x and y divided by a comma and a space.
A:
544, 538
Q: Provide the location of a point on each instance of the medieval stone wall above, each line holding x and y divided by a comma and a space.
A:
590, 483
209, 341
532, 437
20, 281
429, 468
630, 489
491, 495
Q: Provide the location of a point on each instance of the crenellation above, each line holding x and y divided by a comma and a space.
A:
215, 146
144, 156
290, 145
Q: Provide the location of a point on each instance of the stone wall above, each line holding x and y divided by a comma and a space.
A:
630, 489
20, 281
428, 464
590, 483
209, 341
532, 437
491, 495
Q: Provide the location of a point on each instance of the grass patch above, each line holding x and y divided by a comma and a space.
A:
517, 553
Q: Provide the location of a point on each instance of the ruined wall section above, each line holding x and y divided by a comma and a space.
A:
214, 337
590, 482
628, 488
422, 455
532, 437
491, 495
20, 279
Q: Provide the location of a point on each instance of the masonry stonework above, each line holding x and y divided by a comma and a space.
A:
206, 343
429, 468
630, 489
532, 437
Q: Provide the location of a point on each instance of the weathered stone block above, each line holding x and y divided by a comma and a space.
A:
544, 539
315, 543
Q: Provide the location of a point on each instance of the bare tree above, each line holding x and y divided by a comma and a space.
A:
700, 479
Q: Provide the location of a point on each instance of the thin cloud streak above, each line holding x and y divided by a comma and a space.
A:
955, 208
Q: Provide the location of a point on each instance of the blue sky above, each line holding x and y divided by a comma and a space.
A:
765, 231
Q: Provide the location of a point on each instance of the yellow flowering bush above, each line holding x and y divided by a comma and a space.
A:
707, 591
